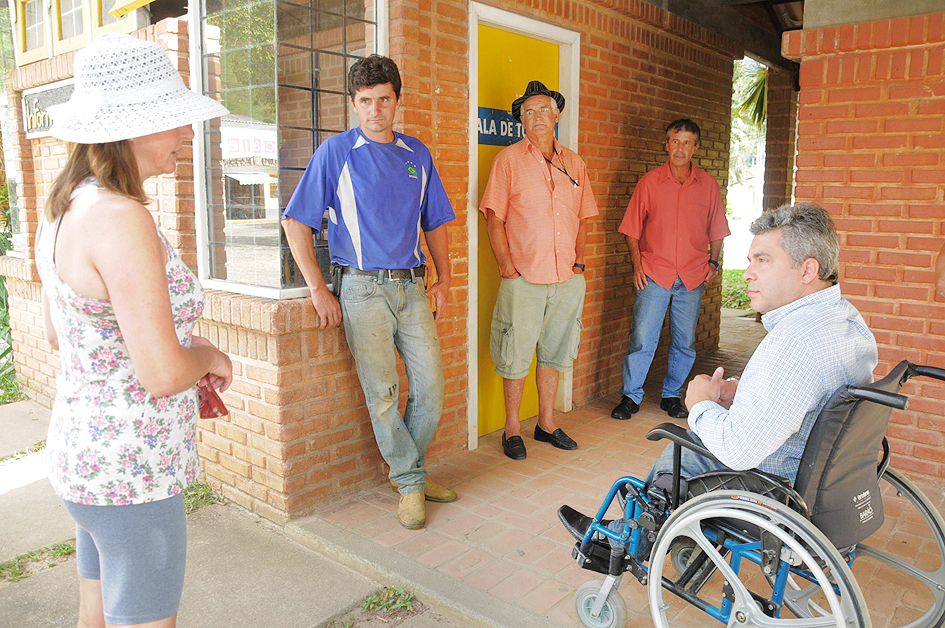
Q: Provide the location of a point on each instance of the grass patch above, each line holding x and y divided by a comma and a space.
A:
389, 600
41, 445
200, 494
25, 565
390, 607
9, 387
735, 290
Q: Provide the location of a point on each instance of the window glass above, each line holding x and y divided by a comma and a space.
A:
33, 24
70, 18
281, 70
104, 7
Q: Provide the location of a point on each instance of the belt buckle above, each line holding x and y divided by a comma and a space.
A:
390, 274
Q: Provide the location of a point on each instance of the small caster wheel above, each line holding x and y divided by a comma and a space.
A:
612, 615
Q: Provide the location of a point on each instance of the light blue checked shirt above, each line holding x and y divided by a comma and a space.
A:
814, 345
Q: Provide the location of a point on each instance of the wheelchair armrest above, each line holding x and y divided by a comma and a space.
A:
680, 436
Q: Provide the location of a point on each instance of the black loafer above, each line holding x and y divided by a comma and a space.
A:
514, 447
673, 406
625, 409
557, 438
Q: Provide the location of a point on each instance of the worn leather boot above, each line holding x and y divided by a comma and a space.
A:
434, 492
411, 512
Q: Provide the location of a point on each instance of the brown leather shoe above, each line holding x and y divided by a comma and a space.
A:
411, 512
434, 492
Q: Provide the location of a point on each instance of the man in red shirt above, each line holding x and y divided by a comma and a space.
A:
536, 204
674, 224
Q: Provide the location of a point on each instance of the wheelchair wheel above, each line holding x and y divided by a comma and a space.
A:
612, 615
681, 554
841, 603
912, 544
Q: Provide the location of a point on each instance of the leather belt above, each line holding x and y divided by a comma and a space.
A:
389, 273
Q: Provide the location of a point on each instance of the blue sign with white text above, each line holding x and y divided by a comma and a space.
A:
497, 127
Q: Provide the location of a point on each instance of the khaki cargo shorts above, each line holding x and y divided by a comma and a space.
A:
543, 316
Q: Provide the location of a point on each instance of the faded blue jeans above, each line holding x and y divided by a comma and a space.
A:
649, 310
381, 316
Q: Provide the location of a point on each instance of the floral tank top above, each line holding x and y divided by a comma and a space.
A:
110, 441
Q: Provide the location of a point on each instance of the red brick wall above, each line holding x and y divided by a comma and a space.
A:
871, 149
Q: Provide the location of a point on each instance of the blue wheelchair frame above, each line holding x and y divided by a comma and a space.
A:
646, 510
632, 535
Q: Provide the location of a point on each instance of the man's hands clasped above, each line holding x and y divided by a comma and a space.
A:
710, 388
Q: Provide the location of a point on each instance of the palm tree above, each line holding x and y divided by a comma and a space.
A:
749, 114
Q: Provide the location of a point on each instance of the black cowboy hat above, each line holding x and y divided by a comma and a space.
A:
535, 88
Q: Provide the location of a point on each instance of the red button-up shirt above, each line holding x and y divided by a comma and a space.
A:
541, 208
674, 223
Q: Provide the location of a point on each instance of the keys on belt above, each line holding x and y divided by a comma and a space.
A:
389, 273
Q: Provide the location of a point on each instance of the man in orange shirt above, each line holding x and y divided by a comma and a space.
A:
536, 204
674, 224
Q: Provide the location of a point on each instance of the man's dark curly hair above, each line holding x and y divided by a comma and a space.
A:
371, 71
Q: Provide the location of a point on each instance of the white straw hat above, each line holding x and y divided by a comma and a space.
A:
126, 87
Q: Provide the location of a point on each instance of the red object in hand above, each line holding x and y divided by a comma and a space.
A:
211, 406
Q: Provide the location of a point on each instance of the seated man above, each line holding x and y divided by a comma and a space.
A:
816, 342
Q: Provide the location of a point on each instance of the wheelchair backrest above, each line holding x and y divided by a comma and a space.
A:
838, 470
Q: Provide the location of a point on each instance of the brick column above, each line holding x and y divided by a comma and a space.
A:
780, 140
871, 150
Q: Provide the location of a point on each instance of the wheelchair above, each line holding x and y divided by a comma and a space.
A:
785, 553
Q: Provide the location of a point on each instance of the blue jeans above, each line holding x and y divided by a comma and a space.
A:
649, 310
691, 463
384, 317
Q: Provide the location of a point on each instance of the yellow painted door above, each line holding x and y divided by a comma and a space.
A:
507, 62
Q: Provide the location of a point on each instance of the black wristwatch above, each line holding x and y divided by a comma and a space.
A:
581, 266
715, 264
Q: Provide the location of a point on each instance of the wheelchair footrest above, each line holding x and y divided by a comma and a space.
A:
597, 558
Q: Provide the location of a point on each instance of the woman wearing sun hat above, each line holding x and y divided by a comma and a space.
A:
120, 306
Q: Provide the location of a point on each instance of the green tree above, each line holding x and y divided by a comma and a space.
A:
749, 118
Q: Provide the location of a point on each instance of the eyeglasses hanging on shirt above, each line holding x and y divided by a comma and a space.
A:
560, 168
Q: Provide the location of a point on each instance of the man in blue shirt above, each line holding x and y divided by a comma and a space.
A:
381, 190
816, 342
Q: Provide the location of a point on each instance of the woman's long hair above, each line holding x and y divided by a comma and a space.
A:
112, 164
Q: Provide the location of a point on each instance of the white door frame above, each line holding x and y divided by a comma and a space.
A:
569, 69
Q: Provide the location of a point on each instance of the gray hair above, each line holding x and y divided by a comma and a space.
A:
806, 231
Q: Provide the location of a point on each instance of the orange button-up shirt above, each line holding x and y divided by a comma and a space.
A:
675, 222
541, 208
